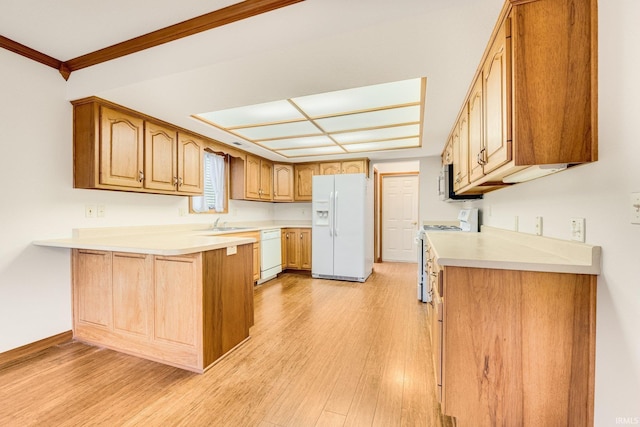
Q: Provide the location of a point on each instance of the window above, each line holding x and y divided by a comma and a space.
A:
214, 198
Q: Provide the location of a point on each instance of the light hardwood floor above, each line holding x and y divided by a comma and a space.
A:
321, 353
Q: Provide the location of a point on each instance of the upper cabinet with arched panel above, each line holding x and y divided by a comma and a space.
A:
115, 148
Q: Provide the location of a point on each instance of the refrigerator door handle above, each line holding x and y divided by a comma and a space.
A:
335, 213
331, 214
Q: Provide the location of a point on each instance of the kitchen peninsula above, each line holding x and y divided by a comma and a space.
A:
179, 296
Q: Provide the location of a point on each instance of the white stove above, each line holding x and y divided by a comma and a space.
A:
468, 223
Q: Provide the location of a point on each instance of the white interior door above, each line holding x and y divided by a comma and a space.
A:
399, 218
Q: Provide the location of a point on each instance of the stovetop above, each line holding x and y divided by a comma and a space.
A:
441, 228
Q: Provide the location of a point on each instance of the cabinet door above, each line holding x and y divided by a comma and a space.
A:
160, 165
497, 102
133, 293
455, 144
475, 132
305, 248
332, 168
256, 261
121, 149
304, 180
252, 177
447, 153
190, 164
355, 166
282, 183
293, 248
283, 247
463, 151
266, 180
177, 291
92, 290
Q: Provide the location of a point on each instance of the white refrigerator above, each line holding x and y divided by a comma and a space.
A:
342, 239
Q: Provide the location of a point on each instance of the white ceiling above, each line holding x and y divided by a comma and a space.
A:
310, 47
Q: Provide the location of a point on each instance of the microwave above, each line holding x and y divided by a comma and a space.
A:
445, 187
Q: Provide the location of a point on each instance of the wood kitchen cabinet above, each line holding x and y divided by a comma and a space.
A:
345, 166
186, 310
119, 149
251, 178
513, 347
190, 164
533, 100
122, 150
303, 180
173, 160
447, 153
282, 183
296, 248
460, 151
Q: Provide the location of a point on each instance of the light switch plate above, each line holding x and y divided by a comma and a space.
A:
539, 225
635, 208
578, 229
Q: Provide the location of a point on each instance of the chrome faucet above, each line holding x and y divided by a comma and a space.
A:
215, 224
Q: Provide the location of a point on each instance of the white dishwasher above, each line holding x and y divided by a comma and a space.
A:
270, 254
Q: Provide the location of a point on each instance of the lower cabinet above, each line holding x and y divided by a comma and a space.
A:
514, 347
296, 248
185, 311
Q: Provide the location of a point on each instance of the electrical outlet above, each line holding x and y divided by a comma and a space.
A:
101, 211
635, 208
90, 211
578, 229
539, 225
182, 211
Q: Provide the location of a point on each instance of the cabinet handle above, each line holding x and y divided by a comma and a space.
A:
140, 176
287, 235
180, 182
300, 236
175, 181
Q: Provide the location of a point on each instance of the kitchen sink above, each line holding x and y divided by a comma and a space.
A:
229, 228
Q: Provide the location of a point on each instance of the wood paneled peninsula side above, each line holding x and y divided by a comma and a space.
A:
180, 298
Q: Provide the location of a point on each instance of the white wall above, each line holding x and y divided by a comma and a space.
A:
599, 192
38, 202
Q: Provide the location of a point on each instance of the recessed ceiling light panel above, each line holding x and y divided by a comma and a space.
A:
311, 141
362, 98
270, 112
318, 151
278, 131
372, 118
377, 134
383, 145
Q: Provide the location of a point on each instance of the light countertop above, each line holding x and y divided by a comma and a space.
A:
508, 250
160, 240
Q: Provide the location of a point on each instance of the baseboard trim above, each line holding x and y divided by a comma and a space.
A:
34, 347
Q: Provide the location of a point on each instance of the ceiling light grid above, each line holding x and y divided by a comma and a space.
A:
371, 118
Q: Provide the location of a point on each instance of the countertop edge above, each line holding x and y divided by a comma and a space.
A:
114, 247
553, 255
